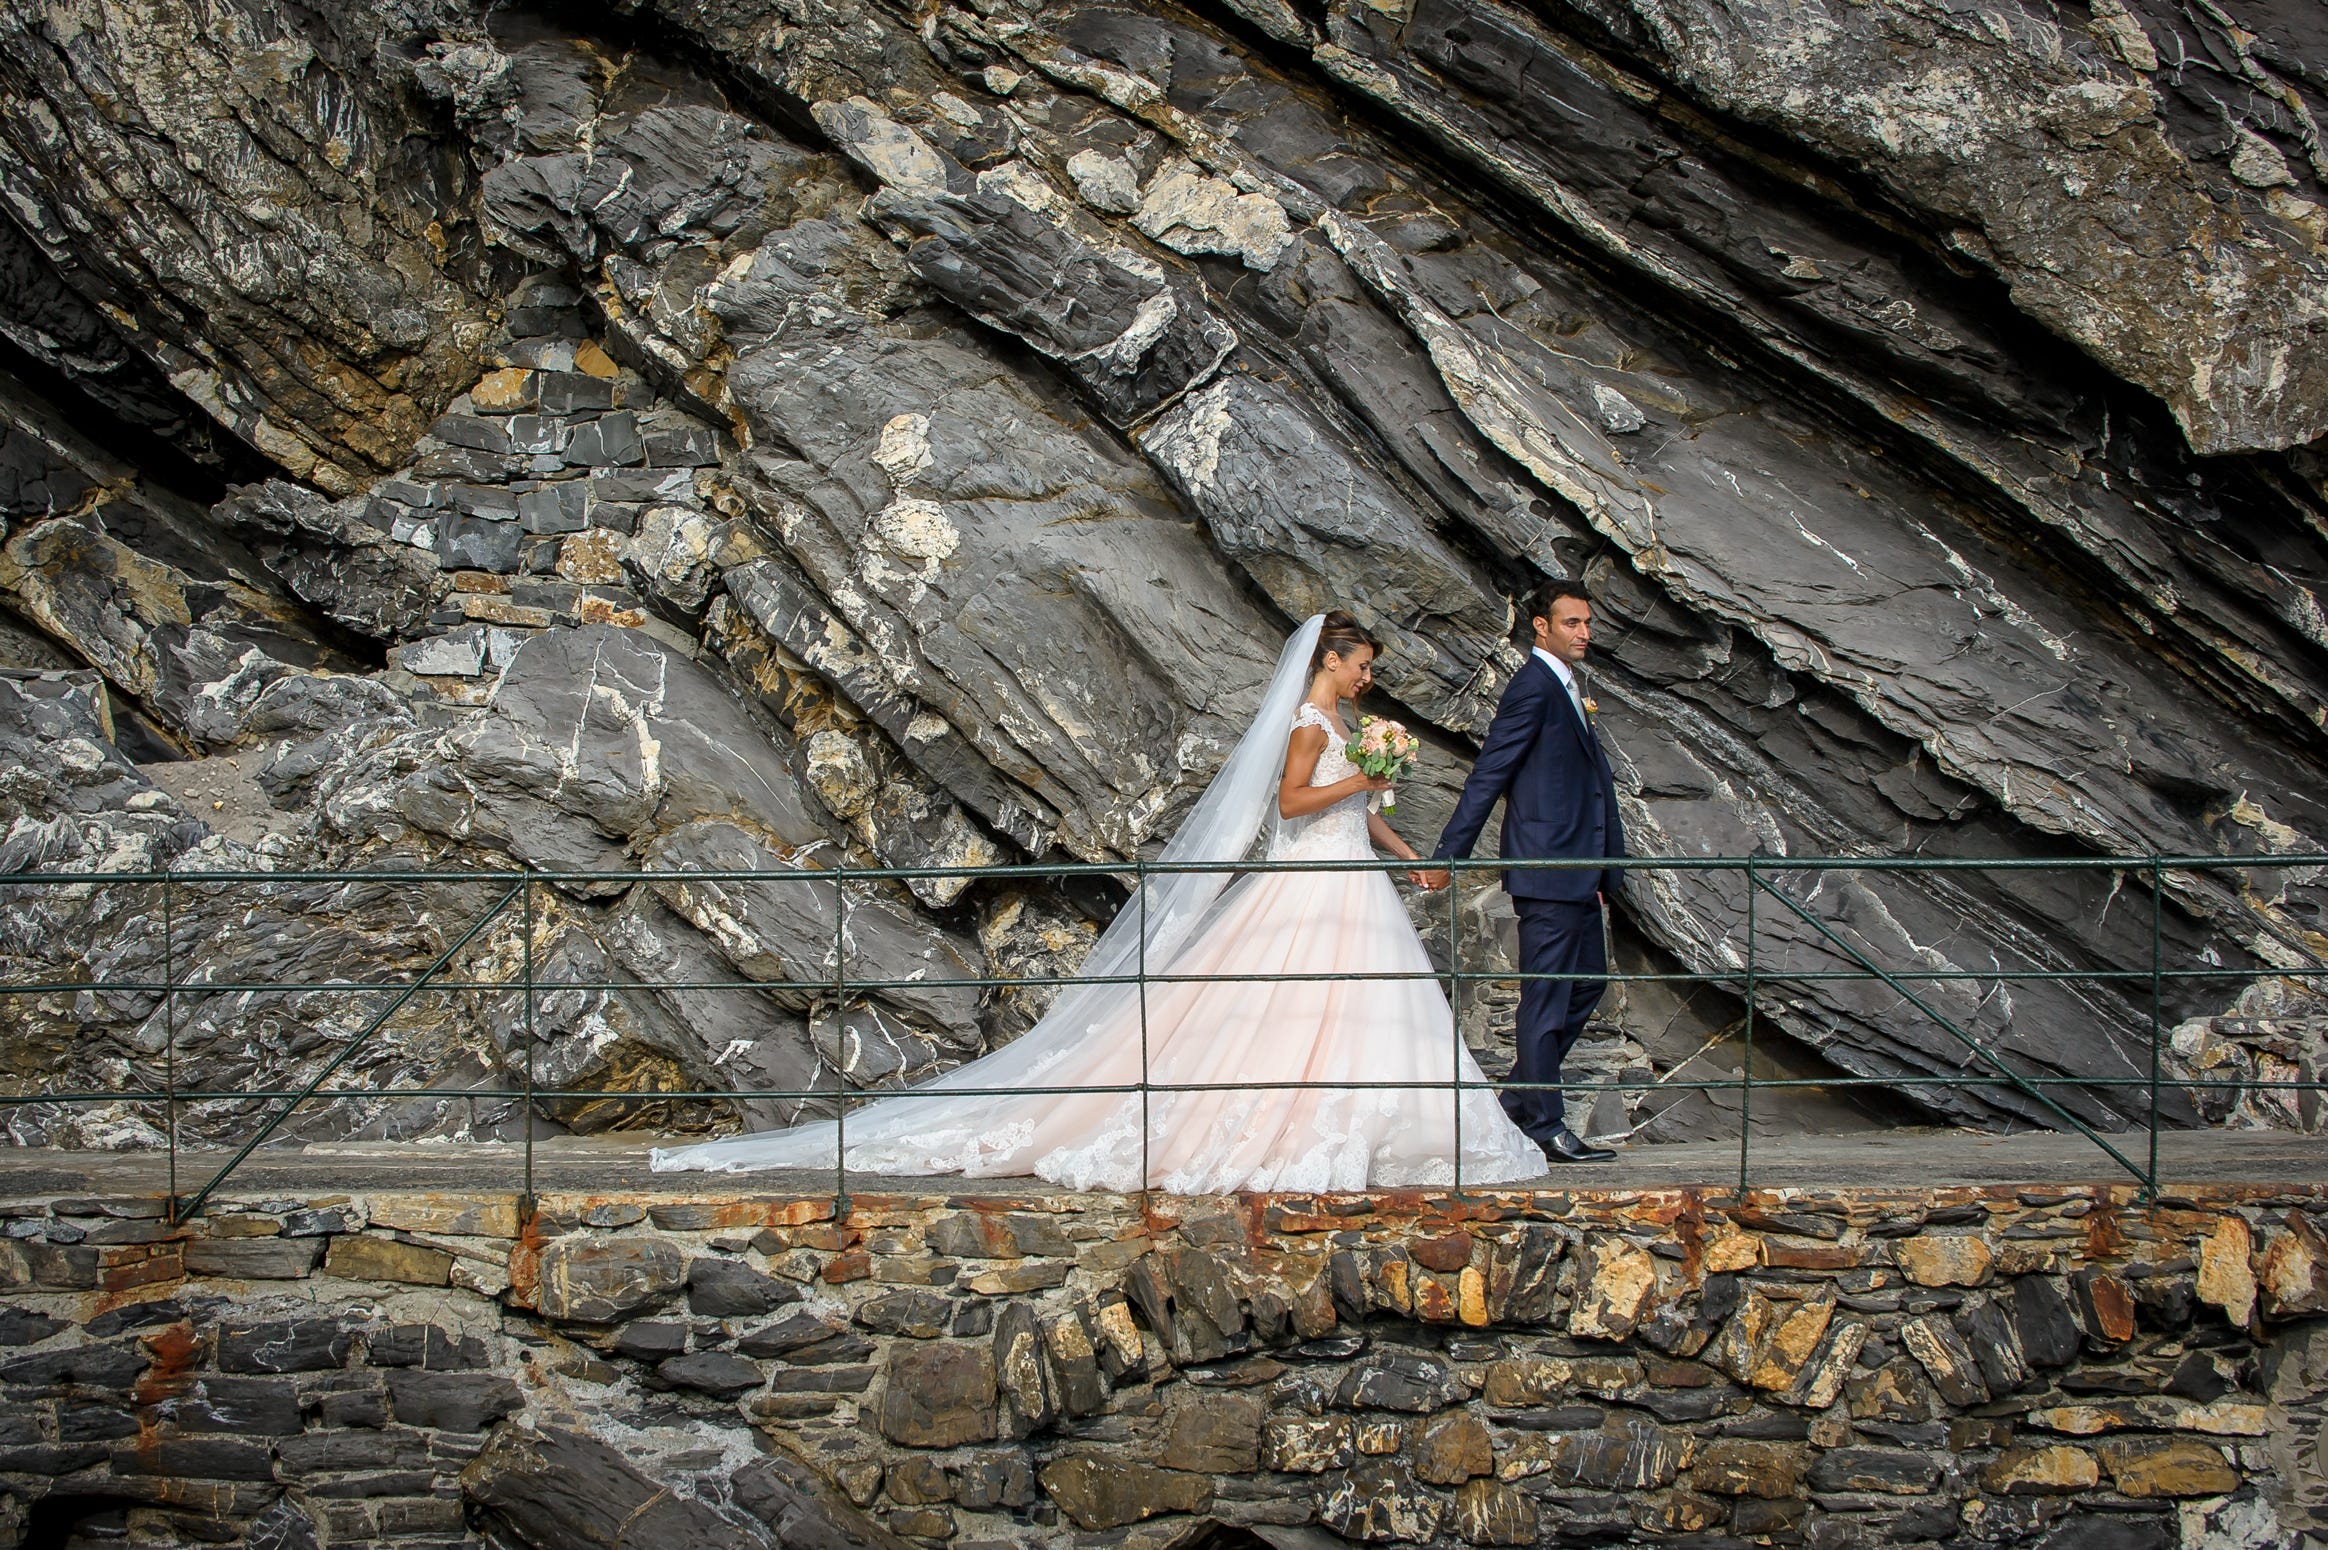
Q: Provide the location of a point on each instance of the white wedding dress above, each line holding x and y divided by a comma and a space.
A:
1215, 1041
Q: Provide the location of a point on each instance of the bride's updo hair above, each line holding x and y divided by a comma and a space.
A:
1341, 635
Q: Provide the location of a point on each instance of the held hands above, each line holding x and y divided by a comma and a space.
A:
1427, 880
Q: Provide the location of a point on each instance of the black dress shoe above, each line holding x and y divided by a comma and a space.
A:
1567, 1147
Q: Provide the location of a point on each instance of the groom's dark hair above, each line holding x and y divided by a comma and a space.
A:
1544, 596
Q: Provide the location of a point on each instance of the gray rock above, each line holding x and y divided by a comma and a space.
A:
724, 1289
651, 1340
487, 543
610, 441
721, 1374
805, 1340
557, 1487
333, 339
336, 561
456, 654
788, 933
452, 1401
938, 1395
254, 1259
573, 392
1400, 1380
682, 446
555, 508
597, 1280
491, 502
286, 1345
479, 435
2114, 292
99, 1366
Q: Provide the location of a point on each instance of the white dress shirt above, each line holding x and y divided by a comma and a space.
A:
1567, 677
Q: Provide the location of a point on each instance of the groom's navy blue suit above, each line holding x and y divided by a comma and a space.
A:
1545, 761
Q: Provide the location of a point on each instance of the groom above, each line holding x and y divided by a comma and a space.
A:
1543, 757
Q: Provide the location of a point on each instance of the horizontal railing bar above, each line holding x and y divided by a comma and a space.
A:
1118, 869
869, 1095
199, 988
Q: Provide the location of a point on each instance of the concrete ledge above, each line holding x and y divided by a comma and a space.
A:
1909, 1159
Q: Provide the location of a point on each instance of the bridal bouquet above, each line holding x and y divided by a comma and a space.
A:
1383, 749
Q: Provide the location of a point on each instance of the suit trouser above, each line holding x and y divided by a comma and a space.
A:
1556, 937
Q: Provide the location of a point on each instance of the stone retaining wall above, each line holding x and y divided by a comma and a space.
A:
1969, 1367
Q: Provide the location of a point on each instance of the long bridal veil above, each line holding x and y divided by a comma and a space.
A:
924, 1131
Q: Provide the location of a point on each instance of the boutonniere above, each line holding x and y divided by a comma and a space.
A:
1591, 706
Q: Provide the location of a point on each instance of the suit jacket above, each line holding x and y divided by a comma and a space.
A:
1559, 798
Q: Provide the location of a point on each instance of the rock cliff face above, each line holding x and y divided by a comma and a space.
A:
721, 435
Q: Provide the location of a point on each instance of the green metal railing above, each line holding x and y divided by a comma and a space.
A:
1754, 980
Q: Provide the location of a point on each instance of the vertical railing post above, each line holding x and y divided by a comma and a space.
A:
1746, 1065
1140, 882
2157, 907
1455, 1013
170, 1029
525, 1204
841, 1043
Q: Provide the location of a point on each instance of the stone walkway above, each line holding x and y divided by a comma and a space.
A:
1904, 1159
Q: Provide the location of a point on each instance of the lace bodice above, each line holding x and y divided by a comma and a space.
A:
1336, 833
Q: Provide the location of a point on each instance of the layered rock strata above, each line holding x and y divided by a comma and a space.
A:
721, 436
1969, 1366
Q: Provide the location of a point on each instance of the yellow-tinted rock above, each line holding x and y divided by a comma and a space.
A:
2226, 1418
2168, 1466
593, 361
1678, 1512
1298, 1445
506, 391
2092, 1420
467, 1216
2050, 1470
1791, 1344
1395, 1291
1453, 1449
1521, 1381
490, 609
1956, 1259
1104, 1493
1731, 1250
592, 557
1488, 1512
1616, 1282
601, 610
2226, 1272
1471, 1297
355, 1257
1119, 1334
2294, 1276
1735, 1467
1894, 1392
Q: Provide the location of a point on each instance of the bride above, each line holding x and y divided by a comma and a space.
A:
1210, 1127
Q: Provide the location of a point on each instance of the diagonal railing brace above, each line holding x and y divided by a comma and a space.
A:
185, 1210
2148, 1181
